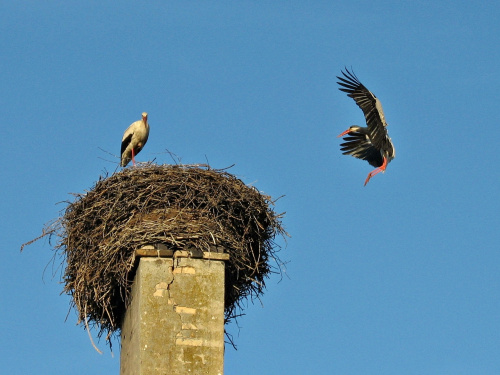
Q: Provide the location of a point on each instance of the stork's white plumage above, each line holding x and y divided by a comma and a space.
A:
134, 139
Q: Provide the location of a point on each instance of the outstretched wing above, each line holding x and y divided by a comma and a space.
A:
359, 145
369, 104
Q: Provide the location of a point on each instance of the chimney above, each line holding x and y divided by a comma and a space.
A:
175, 321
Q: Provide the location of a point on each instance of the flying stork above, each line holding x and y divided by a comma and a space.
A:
371, 143
134, 139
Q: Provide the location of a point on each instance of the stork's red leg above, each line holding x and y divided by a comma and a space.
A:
133, 159
379, 169
344, 133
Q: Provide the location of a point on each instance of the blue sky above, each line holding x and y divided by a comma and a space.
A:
398, 277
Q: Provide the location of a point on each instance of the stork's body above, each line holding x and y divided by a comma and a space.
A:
134, 139
370, 143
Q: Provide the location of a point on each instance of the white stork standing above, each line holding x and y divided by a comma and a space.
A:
371, 143
134, 139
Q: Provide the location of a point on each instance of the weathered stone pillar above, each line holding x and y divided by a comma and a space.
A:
175, 321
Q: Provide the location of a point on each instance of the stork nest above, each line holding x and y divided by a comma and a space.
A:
182, 207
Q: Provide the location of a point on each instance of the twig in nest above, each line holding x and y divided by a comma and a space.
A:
88, 331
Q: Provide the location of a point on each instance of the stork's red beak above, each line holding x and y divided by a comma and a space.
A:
344, 133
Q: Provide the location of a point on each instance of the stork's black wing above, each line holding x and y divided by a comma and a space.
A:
359, 145
369, 104
125, 142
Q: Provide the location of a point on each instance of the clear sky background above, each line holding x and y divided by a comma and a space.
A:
399, 277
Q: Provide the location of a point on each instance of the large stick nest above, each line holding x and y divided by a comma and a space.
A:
182, 207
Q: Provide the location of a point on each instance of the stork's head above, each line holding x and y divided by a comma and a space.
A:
352, 129
145, 116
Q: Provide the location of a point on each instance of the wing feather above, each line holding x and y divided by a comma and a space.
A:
369, 104
125, 142
359, 145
